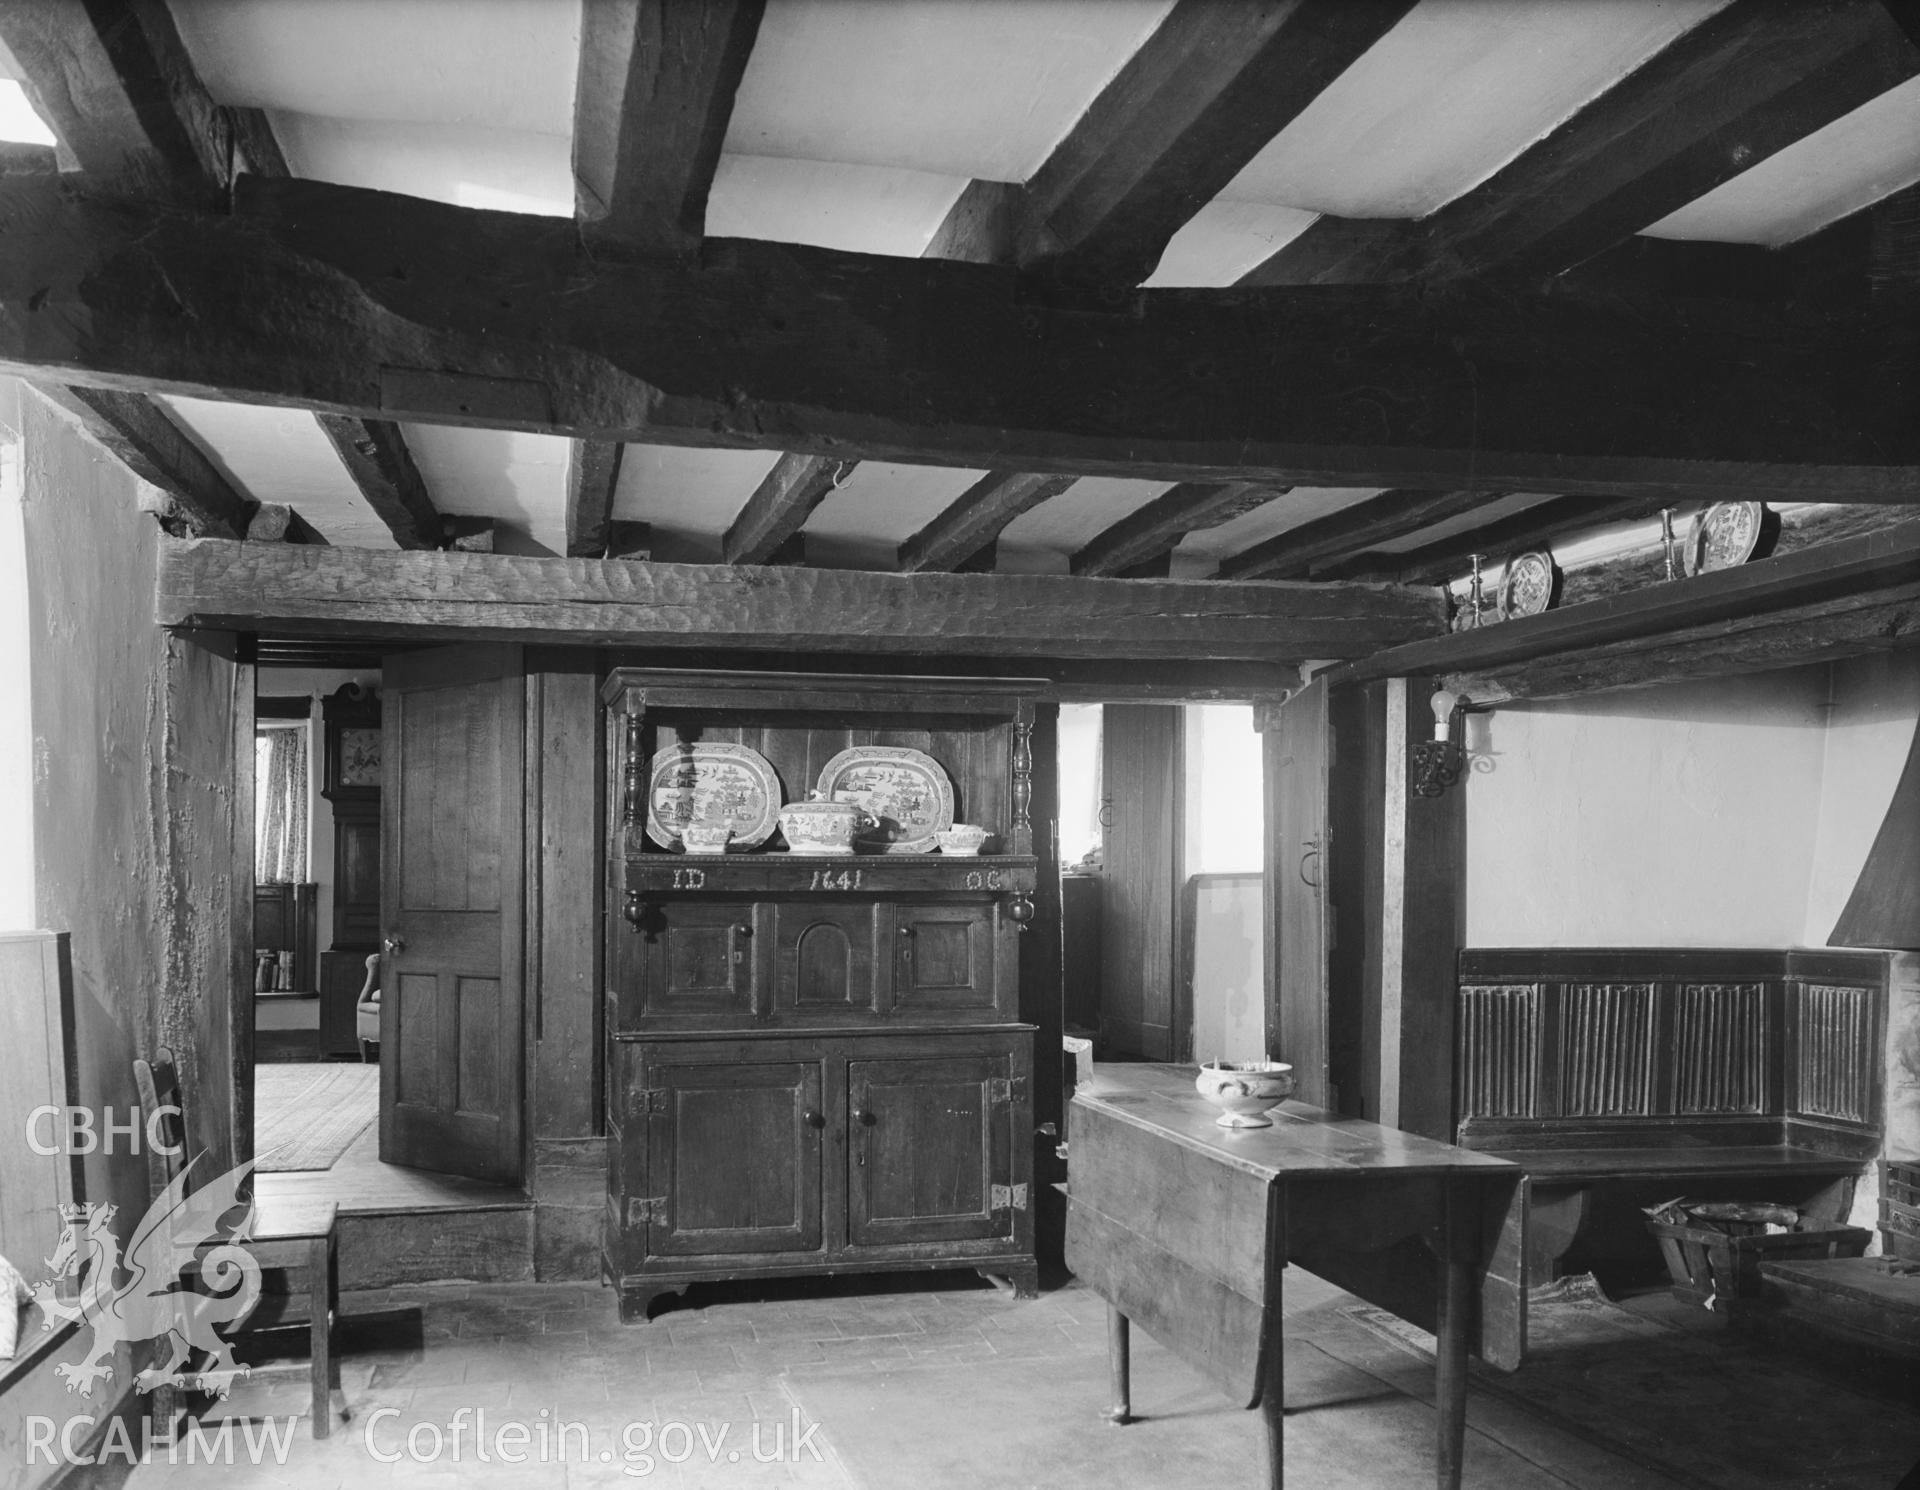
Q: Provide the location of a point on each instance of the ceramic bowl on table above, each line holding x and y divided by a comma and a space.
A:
706, 838
1244, 1090
962, 838
821, 827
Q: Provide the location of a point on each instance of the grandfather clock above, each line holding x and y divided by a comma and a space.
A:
351, 782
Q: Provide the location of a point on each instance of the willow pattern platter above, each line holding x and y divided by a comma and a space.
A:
712, 783
905, 792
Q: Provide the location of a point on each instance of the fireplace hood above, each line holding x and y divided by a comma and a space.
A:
1884, 909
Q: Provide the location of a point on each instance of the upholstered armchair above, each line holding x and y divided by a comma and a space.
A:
367, 1015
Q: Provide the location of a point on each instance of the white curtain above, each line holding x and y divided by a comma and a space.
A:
280, 804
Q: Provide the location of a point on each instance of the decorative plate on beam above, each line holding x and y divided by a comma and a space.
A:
1530, 585
1727, 534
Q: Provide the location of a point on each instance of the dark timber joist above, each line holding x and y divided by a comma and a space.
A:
1200, 98
1449, 558
1742, 85
144, 436
427, 596
376, 456
116, 85
780, 506
1155, 530
362, 302
1828, 579
974, 520
593, 474
1391, 514
655, 89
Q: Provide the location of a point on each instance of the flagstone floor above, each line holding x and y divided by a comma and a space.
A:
871, 1383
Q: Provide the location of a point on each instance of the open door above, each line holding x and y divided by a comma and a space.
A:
452, 829
1298, 750
1141, 776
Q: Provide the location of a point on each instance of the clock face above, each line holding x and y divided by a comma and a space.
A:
359, 757
1729, 532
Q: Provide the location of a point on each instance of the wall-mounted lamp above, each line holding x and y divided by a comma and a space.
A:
1437, 763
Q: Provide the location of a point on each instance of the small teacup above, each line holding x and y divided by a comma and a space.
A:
705, 838
962, 838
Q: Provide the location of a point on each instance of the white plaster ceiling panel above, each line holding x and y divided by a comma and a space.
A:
1288, 510
1223, 240
18, 122
1072, 519
862, 523
864, 209
1495, 509
282, 455
1450, 95
955, 87
503, 170
492, 64
519, 479
689, 495
1852, 163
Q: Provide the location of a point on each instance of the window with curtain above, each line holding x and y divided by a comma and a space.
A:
280, 791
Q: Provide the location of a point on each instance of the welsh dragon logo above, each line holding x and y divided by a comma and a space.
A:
185, 1271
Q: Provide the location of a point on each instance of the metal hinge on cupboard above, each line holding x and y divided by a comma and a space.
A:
645, 1211
1009, 1089
1010, 1197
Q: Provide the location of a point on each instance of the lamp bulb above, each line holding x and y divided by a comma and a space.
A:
1443, 705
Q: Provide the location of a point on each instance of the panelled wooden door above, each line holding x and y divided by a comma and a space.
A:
451, 1011
928, 1142
1298, 751
734, 1152
1141, 760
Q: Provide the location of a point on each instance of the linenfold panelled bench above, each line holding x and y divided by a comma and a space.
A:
1622, 1077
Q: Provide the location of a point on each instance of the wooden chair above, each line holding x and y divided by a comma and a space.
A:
293, 1235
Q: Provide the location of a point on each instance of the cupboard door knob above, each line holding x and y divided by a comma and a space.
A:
396, 945
814, 1119
743, 929
865, 1118
906, 931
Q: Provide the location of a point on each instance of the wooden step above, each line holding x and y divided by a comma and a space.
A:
483, 1244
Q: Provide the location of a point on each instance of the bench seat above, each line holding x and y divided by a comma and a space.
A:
1754, 1161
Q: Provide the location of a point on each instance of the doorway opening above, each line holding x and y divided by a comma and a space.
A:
1164, 898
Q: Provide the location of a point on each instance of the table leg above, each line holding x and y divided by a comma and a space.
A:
320, 1301
1456, 1307
1273, 1399
1120, 1365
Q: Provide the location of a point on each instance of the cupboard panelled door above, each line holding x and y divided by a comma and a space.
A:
928, 1143
700, 963
733, 1151
1141, 773
451, 914
943, 957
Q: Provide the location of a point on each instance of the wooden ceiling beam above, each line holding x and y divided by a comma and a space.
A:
655, 90
780, 506
593, 474
1391, 514
1202, 96
1155, 530
972, 523
375, 453
392, 307
1742, 85
147, 439
1850, 573
365, 593
1447, 559
118, 89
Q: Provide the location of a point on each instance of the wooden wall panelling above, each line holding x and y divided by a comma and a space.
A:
1043, 985
1296, 749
